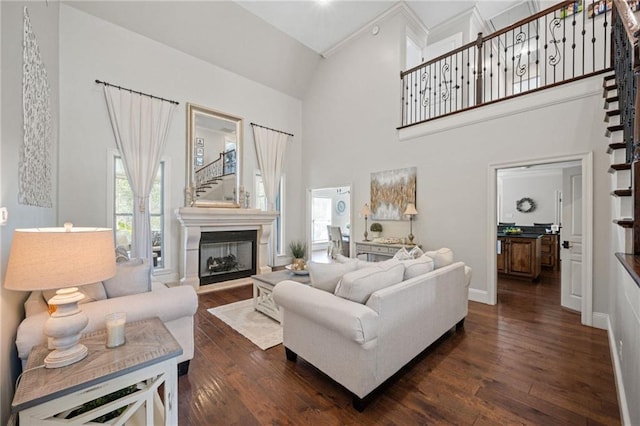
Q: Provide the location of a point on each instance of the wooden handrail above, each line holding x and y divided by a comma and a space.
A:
628, 19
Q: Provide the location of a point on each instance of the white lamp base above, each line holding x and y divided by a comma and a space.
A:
64, 327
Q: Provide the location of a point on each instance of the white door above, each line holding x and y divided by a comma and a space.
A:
571, 239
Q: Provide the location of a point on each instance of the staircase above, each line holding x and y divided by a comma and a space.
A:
620, 169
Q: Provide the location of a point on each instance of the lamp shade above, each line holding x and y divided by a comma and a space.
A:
411, 210
366, 211
52, 258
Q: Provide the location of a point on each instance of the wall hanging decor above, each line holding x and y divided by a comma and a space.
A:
391, 191
525, 205
34, 172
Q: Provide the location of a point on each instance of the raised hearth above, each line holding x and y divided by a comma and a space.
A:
197, 220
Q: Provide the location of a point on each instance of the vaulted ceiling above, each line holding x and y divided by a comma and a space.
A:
276, 43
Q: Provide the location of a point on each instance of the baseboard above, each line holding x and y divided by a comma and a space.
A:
617, 373
600, 320
481, 296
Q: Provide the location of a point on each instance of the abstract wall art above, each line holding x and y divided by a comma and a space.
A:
34, 173
391, 190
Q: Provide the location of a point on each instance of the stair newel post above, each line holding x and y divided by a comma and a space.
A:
479, 66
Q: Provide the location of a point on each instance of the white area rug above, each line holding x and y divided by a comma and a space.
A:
263, 331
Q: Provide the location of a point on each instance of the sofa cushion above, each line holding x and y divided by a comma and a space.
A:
325, 276
358, 285
402, 254
92, 292
419, 266
441, 257
416, 252
131, 277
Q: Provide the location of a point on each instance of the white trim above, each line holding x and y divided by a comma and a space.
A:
586, 160
481, 296
600, 320
413, 22
617, 374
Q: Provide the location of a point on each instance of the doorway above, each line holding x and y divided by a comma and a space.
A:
575, 215
329, 207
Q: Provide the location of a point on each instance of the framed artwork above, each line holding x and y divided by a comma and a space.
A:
391, 190
200, 142
200, 151
199, 161
570, 10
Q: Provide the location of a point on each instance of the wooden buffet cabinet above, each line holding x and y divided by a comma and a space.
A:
550, 244
519, 255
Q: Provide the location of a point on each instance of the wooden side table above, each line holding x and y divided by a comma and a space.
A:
263, 288
147, 360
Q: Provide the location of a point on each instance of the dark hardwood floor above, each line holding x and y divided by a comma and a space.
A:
523, 361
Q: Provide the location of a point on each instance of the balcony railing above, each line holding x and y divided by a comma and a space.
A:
564, 43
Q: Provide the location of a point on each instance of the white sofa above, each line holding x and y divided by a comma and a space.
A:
175, 306
360, 345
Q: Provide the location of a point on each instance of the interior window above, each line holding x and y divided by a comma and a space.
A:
123, 211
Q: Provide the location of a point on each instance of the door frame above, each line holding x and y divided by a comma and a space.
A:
309, 209
586, 160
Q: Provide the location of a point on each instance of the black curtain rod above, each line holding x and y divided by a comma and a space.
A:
139, 93
273, 130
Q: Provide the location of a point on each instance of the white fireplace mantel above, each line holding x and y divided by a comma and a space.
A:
195, 220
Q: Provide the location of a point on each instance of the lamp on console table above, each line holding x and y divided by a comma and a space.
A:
59, 258
366, 211
410, 211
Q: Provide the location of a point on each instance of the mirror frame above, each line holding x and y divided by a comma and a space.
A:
190, 198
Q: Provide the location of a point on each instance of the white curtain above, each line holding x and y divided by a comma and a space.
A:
270, 148
140, 126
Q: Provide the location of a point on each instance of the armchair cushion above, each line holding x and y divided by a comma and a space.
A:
132, 277
441, 257
419, 266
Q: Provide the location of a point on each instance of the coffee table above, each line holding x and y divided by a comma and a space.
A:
263, 288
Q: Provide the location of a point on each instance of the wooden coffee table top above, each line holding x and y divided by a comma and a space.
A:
274, 278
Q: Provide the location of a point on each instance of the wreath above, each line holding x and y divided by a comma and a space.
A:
526, 205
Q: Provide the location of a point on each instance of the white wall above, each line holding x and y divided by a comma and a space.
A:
44, 21
353, 108
90, 49
540, 186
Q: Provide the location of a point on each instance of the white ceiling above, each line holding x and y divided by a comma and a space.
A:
284, 38
321, 24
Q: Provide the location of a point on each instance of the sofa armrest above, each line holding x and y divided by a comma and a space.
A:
352, 320
168, 304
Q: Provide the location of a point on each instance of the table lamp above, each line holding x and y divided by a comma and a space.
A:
366, 211
410, 211
59, 258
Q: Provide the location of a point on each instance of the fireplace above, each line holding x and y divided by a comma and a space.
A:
227, 255
197, 221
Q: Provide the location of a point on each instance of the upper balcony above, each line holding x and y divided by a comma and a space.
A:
561, 44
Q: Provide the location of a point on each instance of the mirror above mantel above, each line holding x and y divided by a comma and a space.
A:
214, 158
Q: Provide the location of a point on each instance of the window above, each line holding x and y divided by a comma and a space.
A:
123, 211
261, 203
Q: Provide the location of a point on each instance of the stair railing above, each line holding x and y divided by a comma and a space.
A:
626, 56
208, 175
564, 43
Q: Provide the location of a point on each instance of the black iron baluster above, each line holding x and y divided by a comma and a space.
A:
456, 80
564, 46
573, 43
593, 39
605, 24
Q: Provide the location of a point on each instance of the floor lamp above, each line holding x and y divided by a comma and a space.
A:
64, 259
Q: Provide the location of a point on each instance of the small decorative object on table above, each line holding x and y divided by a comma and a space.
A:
366, 212
298, 251
376, 229
512, 230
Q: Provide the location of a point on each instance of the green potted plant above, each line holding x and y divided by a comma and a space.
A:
375, 229
298, 251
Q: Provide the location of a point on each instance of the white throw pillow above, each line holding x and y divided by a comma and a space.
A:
325, 276
92, 293
416, 252
402, 254
359, 285
441, 257
131, 277
419, 266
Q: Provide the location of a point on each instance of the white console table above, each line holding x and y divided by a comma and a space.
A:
147, 359
379, 251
